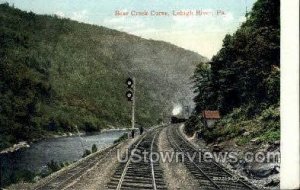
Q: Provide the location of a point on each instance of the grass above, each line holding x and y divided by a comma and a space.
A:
265, 127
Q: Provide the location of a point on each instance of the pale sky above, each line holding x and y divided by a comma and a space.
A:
202, 34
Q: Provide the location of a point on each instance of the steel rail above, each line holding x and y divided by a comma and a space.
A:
214, 162
151, 161
93, 159
201, 171
127, 164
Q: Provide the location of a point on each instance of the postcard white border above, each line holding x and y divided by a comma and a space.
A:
289, 173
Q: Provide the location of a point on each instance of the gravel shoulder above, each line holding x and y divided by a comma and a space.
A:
175, 174
99, 175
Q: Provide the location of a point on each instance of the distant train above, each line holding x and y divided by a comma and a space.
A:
177, 120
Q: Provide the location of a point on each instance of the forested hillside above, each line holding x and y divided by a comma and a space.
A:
243, 80
57, 75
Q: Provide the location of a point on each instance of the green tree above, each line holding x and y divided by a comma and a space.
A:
242, 72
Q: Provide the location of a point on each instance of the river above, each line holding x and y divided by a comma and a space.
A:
63, 149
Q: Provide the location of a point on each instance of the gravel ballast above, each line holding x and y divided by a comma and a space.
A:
176, 174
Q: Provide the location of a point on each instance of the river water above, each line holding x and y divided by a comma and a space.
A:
63, 149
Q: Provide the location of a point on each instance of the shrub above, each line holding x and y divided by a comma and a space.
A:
22, 175
90, 127
192, 124
270, 136
121, 138
94, 148
271, 114
53, 166
86, 153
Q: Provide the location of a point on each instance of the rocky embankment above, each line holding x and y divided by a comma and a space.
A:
258, 163
15, 147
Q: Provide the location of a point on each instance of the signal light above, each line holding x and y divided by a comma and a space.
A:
129, 83
129, 95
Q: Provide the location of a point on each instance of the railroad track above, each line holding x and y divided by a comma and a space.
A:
210, 175
139, 174
68, 176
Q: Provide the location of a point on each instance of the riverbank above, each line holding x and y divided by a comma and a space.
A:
27, 164
15, 147
94, 177
25, 144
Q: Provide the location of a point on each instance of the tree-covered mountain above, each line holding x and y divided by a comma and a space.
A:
58, 74
243, 79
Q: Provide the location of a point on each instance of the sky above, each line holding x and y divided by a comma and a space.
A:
200, 33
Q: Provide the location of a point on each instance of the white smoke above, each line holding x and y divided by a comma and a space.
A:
177, 109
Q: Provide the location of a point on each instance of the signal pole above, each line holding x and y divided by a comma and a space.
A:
133, 105
130, 94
